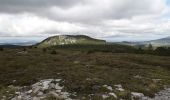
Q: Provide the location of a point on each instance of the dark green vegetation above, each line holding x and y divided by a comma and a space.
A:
85, 67
161, 51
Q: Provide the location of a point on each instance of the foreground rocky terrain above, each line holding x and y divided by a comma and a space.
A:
52, 89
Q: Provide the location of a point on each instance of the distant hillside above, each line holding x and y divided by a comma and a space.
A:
160, 42
10, 46
155, 43
69, 39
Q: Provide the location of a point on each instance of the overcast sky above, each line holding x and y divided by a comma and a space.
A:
113, 20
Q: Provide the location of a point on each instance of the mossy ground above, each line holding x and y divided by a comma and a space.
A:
83, 71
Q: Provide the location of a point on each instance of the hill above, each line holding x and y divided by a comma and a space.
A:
69, 39
155, 43
161, 42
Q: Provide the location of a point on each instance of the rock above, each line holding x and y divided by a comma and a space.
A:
54, 94
58, 87
108, 87
17, 93
30, 91
52, 86
135, 95
45, 84
104, 96
40, 93
113, 94
58, 91
36, 98
58, 80
19, 97
156, 80
13, 81
37, 84
36, 89
119, 87
41, 90
138, 77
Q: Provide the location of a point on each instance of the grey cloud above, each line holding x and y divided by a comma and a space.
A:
18, 6
82, 10
88, 16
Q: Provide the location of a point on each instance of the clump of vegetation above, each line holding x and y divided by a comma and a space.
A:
163, 51
24, 49
53, 52
44, 50
1, 49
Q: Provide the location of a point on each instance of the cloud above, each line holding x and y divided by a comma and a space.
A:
96, 18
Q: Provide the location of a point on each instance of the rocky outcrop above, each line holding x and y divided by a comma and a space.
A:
42, 90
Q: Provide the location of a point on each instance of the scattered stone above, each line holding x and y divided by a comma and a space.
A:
119, 87
156, 80
57, 87
113, 94
45, 83
36, 98
58, 80
104, 96
135, 95
54, 94
40, 93
58, 91
17, 93
52, 86
108, 87
162, 95
13, 81
41, 90
36, 89
30, 91
137, 76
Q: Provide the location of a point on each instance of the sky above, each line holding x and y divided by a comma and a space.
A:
113, 20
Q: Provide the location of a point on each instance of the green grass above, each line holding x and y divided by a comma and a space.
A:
75, 66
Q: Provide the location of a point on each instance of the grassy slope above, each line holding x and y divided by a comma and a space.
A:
75, 66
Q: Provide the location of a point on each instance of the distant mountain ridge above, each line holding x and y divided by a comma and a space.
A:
156, 43
69, 39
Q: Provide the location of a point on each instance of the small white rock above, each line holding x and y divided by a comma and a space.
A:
104, 96
58, 87
113, 94
137, 95
30, 91
40, 93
